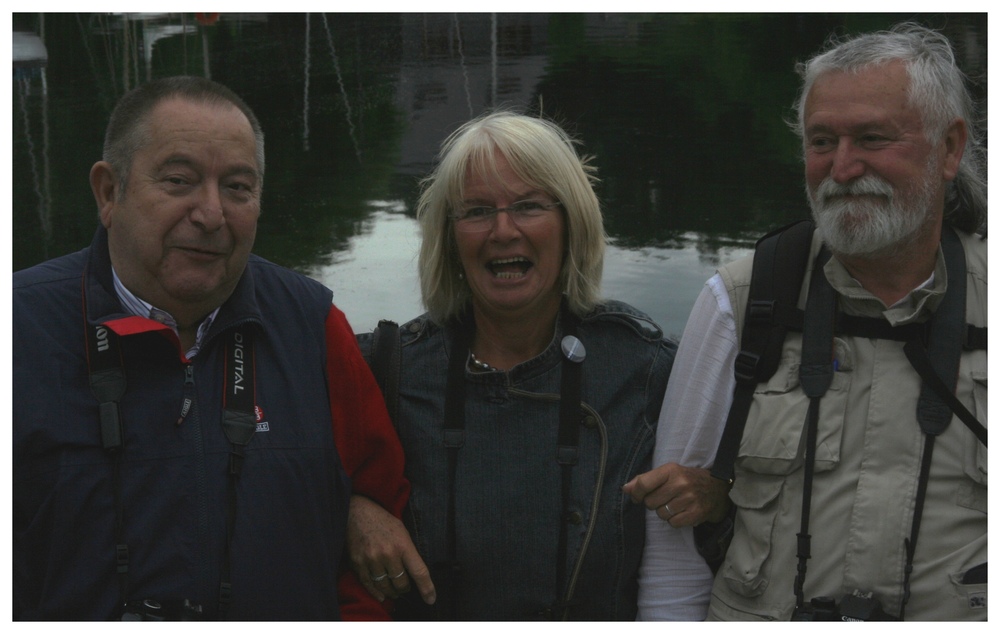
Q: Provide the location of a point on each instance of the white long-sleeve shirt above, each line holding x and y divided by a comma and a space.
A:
675, 583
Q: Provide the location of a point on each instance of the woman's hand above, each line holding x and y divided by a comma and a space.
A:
383, 555
683, 496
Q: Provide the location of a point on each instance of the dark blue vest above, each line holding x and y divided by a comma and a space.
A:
292, 496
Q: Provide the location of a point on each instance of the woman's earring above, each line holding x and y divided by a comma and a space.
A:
461, 275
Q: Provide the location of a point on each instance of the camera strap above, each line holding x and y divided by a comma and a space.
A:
454, 439
938, 362
815, 377
106, 372
567, 455
107, 382
239, 422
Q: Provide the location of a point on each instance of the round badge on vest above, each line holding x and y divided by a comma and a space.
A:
572, 349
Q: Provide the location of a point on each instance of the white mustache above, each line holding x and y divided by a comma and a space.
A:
868, 185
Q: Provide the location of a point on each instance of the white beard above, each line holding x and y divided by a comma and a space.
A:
882, 223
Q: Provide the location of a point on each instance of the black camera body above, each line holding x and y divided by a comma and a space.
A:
857, 606
150, 610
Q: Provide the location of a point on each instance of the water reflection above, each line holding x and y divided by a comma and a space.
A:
38, 156
375, 276
683, 114
340, 82
30, 59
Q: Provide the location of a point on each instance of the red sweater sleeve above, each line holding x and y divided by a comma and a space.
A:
366, 440
365, 437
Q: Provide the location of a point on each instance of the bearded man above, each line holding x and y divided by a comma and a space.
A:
833, 486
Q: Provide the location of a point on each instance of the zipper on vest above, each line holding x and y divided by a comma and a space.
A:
187, 402
204, 571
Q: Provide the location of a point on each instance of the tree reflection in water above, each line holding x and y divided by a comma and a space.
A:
683, 113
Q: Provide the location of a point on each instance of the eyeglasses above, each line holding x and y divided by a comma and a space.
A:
524, 214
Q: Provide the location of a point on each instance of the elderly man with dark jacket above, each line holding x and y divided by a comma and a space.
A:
189, 420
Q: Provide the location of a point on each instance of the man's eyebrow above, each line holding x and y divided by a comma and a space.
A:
186, 161
176, 159
855, 128
244, 169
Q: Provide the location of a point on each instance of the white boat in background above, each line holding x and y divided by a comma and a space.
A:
29, 51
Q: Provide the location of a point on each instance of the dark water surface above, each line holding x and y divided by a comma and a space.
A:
683, 113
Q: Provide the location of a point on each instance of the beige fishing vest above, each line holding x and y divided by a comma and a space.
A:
867, 466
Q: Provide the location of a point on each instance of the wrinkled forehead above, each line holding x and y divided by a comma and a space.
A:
890, 79
207, 119
181, 108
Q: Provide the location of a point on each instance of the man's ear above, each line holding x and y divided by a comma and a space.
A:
104, 184
954, 147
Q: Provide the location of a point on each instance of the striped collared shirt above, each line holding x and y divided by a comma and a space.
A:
141, 308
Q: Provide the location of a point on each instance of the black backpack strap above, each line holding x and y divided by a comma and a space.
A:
938, 363
947, 334
779, 265
385, 363
975, 337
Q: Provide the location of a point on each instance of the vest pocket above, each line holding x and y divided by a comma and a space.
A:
757, 503
773, 439
974, 495
970, 594
772, 448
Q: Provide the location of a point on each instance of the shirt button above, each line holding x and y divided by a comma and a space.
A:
575, 518
589, 421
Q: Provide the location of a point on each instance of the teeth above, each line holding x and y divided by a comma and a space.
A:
509, 275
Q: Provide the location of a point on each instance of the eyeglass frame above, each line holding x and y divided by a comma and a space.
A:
489, 219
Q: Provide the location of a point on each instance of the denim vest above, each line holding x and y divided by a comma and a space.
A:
508, 496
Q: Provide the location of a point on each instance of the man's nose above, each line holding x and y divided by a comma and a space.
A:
207, 212
848, 163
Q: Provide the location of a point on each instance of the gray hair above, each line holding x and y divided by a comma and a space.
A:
937, 89
128, 129
542, 155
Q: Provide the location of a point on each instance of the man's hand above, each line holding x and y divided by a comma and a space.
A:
683, 496
383, 555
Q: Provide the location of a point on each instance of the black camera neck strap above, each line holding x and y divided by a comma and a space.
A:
933, 350
815, 377
107, 382
239, 422
106, 371
937, 360
567, 454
